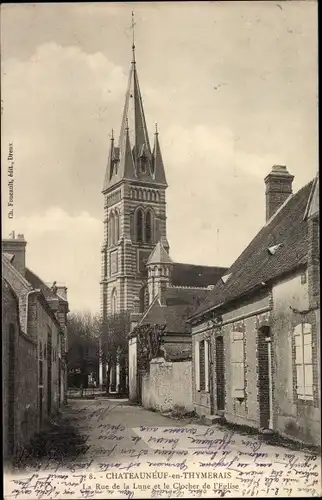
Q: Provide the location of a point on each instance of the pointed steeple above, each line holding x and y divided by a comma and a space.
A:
127, 167
134, 137
112, 164
158, 167
159, 255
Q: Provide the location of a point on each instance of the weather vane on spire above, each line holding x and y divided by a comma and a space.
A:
133, 44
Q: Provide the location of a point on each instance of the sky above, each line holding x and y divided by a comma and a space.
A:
232, 86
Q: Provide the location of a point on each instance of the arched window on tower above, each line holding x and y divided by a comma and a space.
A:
108, 232
139, 225
148, 227
112, 229
114, 301
117, 227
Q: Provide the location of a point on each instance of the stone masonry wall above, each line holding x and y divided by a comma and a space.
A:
167, 384
19, 377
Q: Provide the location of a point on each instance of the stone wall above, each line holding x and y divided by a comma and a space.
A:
133, 389
243, 317
294, 417
167, 384
19, 377
27, 417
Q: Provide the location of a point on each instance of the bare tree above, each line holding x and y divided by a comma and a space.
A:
114, 342
83, 344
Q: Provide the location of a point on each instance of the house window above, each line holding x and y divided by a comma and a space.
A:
303, 360
201, 365
237, 359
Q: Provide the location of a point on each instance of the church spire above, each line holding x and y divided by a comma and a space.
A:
158, 167
133, 39
133, 150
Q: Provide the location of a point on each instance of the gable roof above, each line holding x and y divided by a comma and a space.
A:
195, 275
30, 282
256, 264
9, 256
37, 282
313, 204
179, 304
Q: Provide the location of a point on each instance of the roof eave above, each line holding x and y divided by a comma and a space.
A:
248, 293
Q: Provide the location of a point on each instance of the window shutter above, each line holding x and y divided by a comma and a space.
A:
202, 364
300, 380
303, 360
197, 373
307, 359
207, 346
237, 365
308, 377
298, 350
307, 349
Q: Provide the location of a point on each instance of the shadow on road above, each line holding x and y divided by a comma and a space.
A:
61, 440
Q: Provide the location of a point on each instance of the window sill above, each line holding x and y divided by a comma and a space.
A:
305, 399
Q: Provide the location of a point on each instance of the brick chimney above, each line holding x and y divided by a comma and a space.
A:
16, 245
278, 188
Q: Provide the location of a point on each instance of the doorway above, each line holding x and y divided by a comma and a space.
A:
264, 363
220, 373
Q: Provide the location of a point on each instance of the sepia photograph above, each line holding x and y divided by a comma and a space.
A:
160, 250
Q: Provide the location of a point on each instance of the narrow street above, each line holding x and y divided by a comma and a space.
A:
110, 448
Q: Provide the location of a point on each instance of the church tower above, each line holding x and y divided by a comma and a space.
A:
134, 206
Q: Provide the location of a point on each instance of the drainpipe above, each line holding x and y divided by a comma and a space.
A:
37, 290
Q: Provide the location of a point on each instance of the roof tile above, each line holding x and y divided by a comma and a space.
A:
256, 265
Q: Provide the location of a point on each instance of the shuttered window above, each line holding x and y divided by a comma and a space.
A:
303, 361
207, 347
202, 364
197, 366
237, 359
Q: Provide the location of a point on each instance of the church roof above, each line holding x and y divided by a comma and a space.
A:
280, 246
159, 255
179, 303
195, 275
133, 159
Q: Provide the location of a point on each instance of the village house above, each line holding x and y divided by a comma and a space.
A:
34, 335
256, 337
160, 339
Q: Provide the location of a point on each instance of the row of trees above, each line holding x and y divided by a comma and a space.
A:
91, 339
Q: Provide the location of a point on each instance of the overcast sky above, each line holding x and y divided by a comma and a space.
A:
63, 76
